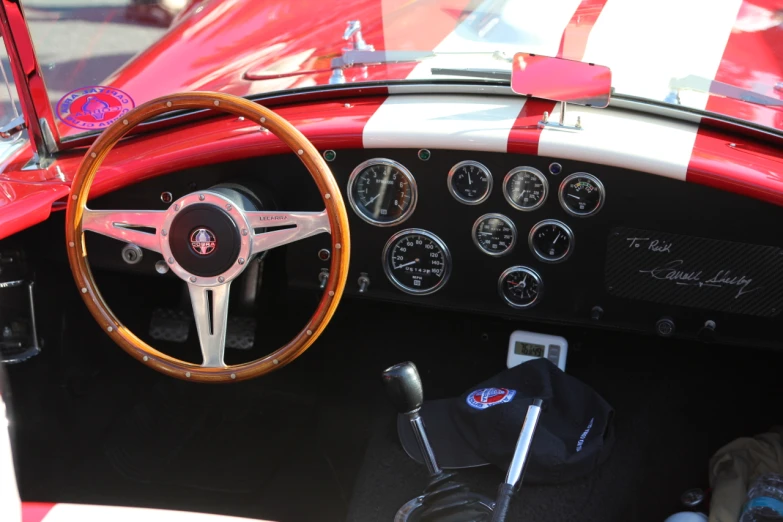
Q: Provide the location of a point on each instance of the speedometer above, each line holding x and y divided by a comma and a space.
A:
382, 192
416, 261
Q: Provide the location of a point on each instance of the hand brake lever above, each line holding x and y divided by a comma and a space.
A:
518, 462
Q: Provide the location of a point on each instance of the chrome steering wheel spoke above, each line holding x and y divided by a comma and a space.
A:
306, 224
125, 225
210, 310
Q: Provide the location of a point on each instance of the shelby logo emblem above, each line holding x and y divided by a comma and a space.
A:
203, 241
488, 397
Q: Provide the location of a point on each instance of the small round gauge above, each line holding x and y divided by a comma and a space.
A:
494, 234
525, 188
551, 241
382, 192
470, 182
581, 194
520, 286
416, 261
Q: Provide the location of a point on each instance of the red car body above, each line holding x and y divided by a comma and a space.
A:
215, 45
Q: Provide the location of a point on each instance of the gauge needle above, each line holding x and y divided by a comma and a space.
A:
470, 181
575, 197
485, 233
373, 199
558, 237
409, 263
524, 282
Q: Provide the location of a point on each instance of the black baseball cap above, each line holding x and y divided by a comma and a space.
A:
481, 426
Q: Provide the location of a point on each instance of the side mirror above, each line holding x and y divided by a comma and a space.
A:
567, 81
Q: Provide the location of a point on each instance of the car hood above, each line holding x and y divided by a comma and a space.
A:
218, 44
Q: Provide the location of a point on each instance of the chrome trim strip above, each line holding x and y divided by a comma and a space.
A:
438, 241
359, 209
507, 221
456, 194
565, 228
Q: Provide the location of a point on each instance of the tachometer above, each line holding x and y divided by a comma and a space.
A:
581, 194
525, 188
494, 234
382, 192
520, 286
551, 241
470, 182
416, 261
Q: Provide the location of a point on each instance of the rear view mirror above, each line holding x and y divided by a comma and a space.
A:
562, 80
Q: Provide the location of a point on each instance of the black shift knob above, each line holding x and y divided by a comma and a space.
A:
403, 386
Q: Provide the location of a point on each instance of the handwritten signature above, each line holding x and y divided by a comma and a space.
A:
655, 245
672, 271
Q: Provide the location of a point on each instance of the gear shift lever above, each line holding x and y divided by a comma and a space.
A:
403, 386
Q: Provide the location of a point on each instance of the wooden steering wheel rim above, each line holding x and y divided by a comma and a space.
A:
330, 194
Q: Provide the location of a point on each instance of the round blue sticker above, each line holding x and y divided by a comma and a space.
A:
94, 107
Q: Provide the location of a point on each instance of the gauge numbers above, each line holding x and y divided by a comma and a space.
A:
470, 182
416, 261
494, 234
551, 241
581, 194
525, 188
520, 286
382, 192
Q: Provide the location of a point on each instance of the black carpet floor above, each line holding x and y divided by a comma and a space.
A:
317, 440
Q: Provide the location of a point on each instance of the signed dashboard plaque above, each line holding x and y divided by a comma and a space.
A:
695, 272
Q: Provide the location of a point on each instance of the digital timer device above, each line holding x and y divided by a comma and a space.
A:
526, 346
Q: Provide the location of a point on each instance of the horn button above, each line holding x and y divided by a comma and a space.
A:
204, 240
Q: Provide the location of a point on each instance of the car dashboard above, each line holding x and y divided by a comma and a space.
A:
528, 238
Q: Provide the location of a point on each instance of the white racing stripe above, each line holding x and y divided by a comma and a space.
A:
647, 43
530, 26
461, 122
84, 513
471, 122
646, 46
644, 142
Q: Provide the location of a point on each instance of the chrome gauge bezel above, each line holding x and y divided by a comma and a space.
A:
537, 173
532, 273
457, 195
538, 253
507, 221
358, 207
601, 194
420, 232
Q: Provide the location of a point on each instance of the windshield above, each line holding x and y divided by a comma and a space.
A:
100, 58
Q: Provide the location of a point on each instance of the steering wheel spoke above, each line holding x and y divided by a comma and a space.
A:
210, 310
126, 225
305, 224
207, 239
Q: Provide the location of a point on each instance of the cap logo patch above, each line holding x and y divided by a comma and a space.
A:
488, 397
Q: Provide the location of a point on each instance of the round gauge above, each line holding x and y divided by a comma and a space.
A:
470, 182
581, 194
494, 234
416, 261
525, 188
551, 241
520, 286
382, 192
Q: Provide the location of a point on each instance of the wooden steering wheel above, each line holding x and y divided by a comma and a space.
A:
207, 239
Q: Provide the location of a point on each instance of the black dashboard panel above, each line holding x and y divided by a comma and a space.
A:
574, 291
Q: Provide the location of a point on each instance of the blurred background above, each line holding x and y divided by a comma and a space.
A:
81, 42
